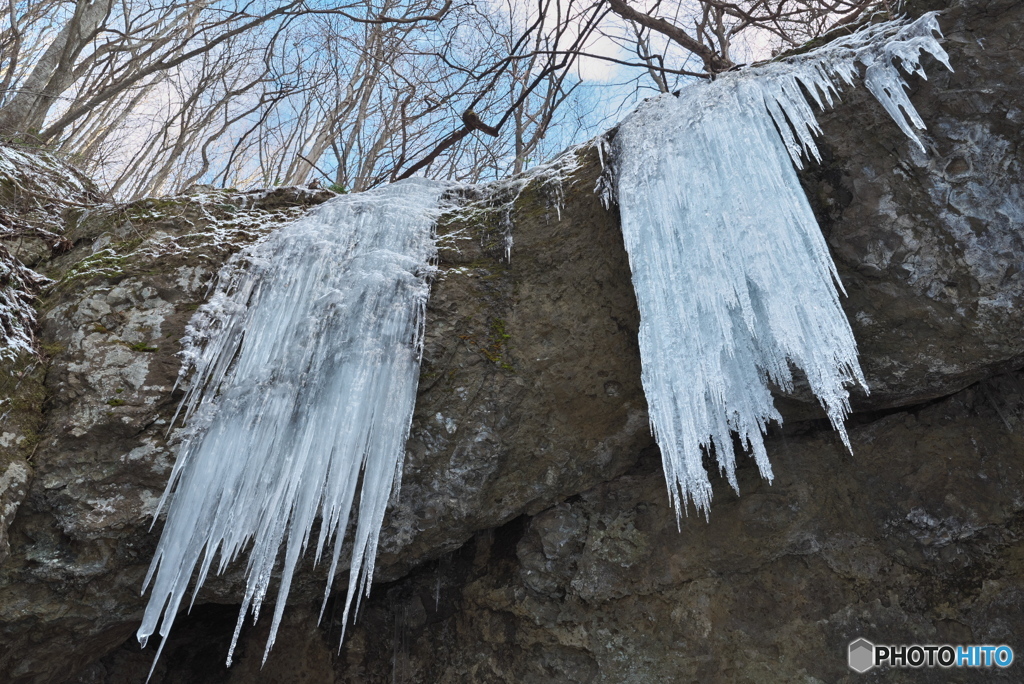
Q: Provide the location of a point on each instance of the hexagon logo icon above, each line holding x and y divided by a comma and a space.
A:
862, 655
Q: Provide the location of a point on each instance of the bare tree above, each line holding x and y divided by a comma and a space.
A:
153, 97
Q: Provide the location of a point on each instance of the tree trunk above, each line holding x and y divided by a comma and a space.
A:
52, 75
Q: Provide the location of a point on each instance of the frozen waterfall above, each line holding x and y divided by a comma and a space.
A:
306, 359
734, 281
306, 362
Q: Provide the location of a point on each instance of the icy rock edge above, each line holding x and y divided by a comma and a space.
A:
733, 279
305, 363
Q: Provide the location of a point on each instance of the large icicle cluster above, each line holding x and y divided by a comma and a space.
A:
734, 281
306, 364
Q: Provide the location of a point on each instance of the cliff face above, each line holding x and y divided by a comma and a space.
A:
532, 538
929, 244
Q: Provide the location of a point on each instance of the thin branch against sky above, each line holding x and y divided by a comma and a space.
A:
152, 97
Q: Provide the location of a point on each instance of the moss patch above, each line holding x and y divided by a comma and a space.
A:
22, 394
494, 346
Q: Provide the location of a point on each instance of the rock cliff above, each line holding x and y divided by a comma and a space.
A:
532, 539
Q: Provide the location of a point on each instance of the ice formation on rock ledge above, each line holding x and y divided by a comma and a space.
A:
33, 181
733, 279
306, 364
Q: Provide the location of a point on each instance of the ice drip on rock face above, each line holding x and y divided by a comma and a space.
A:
733, 278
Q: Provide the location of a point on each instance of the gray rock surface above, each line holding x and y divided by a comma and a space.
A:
531, 538
913, 539
929, 244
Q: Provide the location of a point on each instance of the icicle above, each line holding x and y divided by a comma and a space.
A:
732, 275
306, 367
